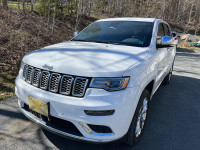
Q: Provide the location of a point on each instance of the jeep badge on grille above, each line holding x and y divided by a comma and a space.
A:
47, 67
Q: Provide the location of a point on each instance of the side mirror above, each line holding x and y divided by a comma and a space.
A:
75, 34
167, 41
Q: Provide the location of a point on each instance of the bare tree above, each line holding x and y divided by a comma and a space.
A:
18, 4
184, 13
49, 13
78, 3
32, 5
54, 16
163, 9
5, 4
23, 5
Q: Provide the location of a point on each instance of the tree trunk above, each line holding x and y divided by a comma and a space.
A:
5, 4
82, 7
190, 14
23, 5
32, 6
77, 16
49, 13
90, 9
163, 10
18, 5
65, 10
54, 16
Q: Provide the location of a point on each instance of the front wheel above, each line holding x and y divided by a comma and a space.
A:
137, 125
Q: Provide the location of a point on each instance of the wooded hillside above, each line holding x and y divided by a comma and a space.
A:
182, 13
21, 33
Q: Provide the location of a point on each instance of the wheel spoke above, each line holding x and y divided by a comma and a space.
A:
141, 117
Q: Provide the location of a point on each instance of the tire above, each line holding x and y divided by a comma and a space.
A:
133, 137
168, 77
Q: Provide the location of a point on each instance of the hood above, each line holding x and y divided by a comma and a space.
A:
86, 58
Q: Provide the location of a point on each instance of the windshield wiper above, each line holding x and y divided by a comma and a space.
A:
81, 40
106, 42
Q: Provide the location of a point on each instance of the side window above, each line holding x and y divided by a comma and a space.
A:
170, 32
166, 28
160, 33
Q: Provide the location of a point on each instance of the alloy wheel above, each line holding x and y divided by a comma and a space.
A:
141, 117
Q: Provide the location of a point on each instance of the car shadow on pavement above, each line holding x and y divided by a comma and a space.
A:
184, 50
173, 121
12, 114
187, 53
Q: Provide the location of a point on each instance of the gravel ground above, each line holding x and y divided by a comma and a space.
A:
173, 122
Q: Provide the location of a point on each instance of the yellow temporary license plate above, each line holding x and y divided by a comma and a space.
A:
38, 106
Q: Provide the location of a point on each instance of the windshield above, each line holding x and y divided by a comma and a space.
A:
132, 33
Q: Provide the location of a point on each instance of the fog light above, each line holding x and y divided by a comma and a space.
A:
99, 112
100, 128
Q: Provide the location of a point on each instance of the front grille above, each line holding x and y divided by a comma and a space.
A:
55, 82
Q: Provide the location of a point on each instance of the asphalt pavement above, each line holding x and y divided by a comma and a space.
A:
173, 121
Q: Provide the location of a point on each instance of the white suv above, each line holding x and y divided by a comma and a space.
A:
97, 86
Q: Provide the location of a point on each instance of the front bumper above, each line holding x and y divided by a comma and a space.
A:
72, 109
56, 131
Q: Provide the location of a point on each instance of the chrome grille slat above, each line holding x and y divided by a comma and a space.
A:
66, 84
55, 82
44, 80
29, 74
79, 87
36, 77
24, 71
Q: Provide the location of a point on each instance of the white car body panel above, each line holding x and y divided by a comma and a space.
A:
142, 65
80, 58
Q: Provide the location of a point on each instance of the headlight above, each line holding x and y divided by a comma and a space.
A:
22, 65
110, 84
